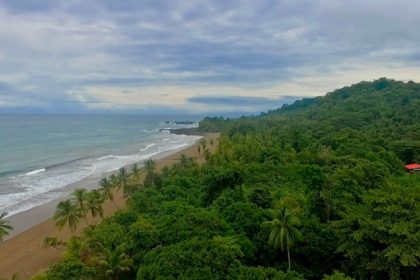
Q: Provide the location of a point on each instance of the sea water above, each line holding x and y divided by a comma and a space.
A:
40, 155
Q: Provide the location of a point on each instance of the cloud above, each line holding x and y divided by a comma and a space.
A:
93, 55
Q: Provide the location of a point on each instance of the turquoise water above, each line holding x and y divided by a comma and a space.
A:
41, 155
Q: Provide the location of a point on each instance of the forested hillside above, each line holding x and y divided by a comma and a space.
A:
314, 190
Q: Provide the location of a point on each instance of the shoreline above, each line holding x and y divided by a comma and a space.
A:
24, 249
28, 218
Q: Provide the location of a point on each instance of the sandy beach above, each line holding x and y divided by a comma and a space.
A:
23, 251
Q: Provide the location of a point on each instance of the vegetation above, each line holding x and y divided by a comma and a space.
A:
5, 228
330, 169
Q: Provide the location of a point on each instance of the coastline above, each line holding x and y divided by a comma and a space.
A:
26, 219
23, 248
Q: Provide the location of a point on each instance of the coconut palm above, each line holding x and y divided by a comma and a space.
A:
150, 167
80, 197
94, 203
53, 242
283, 233
203, 143
122, 177
67, 212
185, 161
5, 228
113, 180
106, 189
115, 261
135, 171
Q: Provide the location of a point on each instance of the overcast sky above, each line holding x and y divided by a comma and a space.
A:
197, 56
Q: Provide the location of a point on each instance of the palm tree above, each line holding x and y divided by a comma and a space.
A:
185, 161
106, 189
115, 261
53, 242
135, 171
67, 212
122, 177
203, 143
94, 203
150, 167
113, 180
5, 228
283, 233
80, 197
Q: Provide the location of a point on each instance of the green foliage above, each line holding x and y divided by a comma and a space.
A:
191, 259
335, 162
337, 276
261, 273
381, 235
4, 226
72, 270
67, 212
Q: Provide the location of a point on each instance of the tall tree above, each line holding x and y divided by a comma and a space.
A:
283, 233
80, 197
5, 228
150, 166
67, 212
106, 189
135, 171
123, 178
94, 204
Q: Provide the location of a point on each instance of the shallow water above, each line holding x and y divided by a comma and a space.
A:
41, 155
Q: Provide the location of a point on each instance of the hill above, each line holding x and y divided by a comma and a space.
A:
313, 190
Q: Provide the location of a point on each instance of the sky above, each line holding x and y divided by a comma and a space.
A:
195, 57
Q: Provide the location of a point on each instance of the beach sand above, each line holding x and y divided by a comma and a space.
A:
24, 253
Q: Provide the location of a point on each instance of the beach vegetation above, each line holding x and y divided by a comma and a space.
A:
5, 227
67, 213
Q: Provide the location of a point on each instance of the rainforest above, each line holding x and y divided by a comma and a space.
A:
313, 190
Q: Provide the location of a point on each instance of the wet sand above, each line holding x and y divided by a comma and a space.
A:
24, 253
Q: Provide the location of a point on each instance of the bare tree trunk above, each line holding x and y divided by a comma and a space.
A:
288, 257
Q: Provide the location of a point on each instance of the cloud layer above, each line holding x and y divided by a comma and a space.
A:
186, 56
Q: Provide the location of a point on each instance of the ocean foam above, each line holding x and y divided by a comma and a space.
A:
40, 186
147, 147
34, 172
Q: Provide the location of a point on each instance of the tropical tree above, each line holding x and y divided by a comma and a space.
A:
283, 233
80, 197
113, 180
203, 143
94, 202
5, 228
135, 171
115, 261
122, 178
67, 212
150, 167
53, 242
106, 189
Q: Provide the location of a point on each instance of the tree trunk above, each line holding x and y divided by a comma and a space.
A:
288, 258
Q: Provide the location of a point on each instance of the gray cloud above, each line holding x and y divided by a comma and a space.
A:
54, 54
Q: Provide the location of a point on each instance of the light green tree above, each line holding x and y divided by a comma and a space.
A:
283, 233
67, 213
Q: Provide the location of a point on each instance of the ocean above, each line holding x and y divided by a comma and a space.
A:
40, 155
